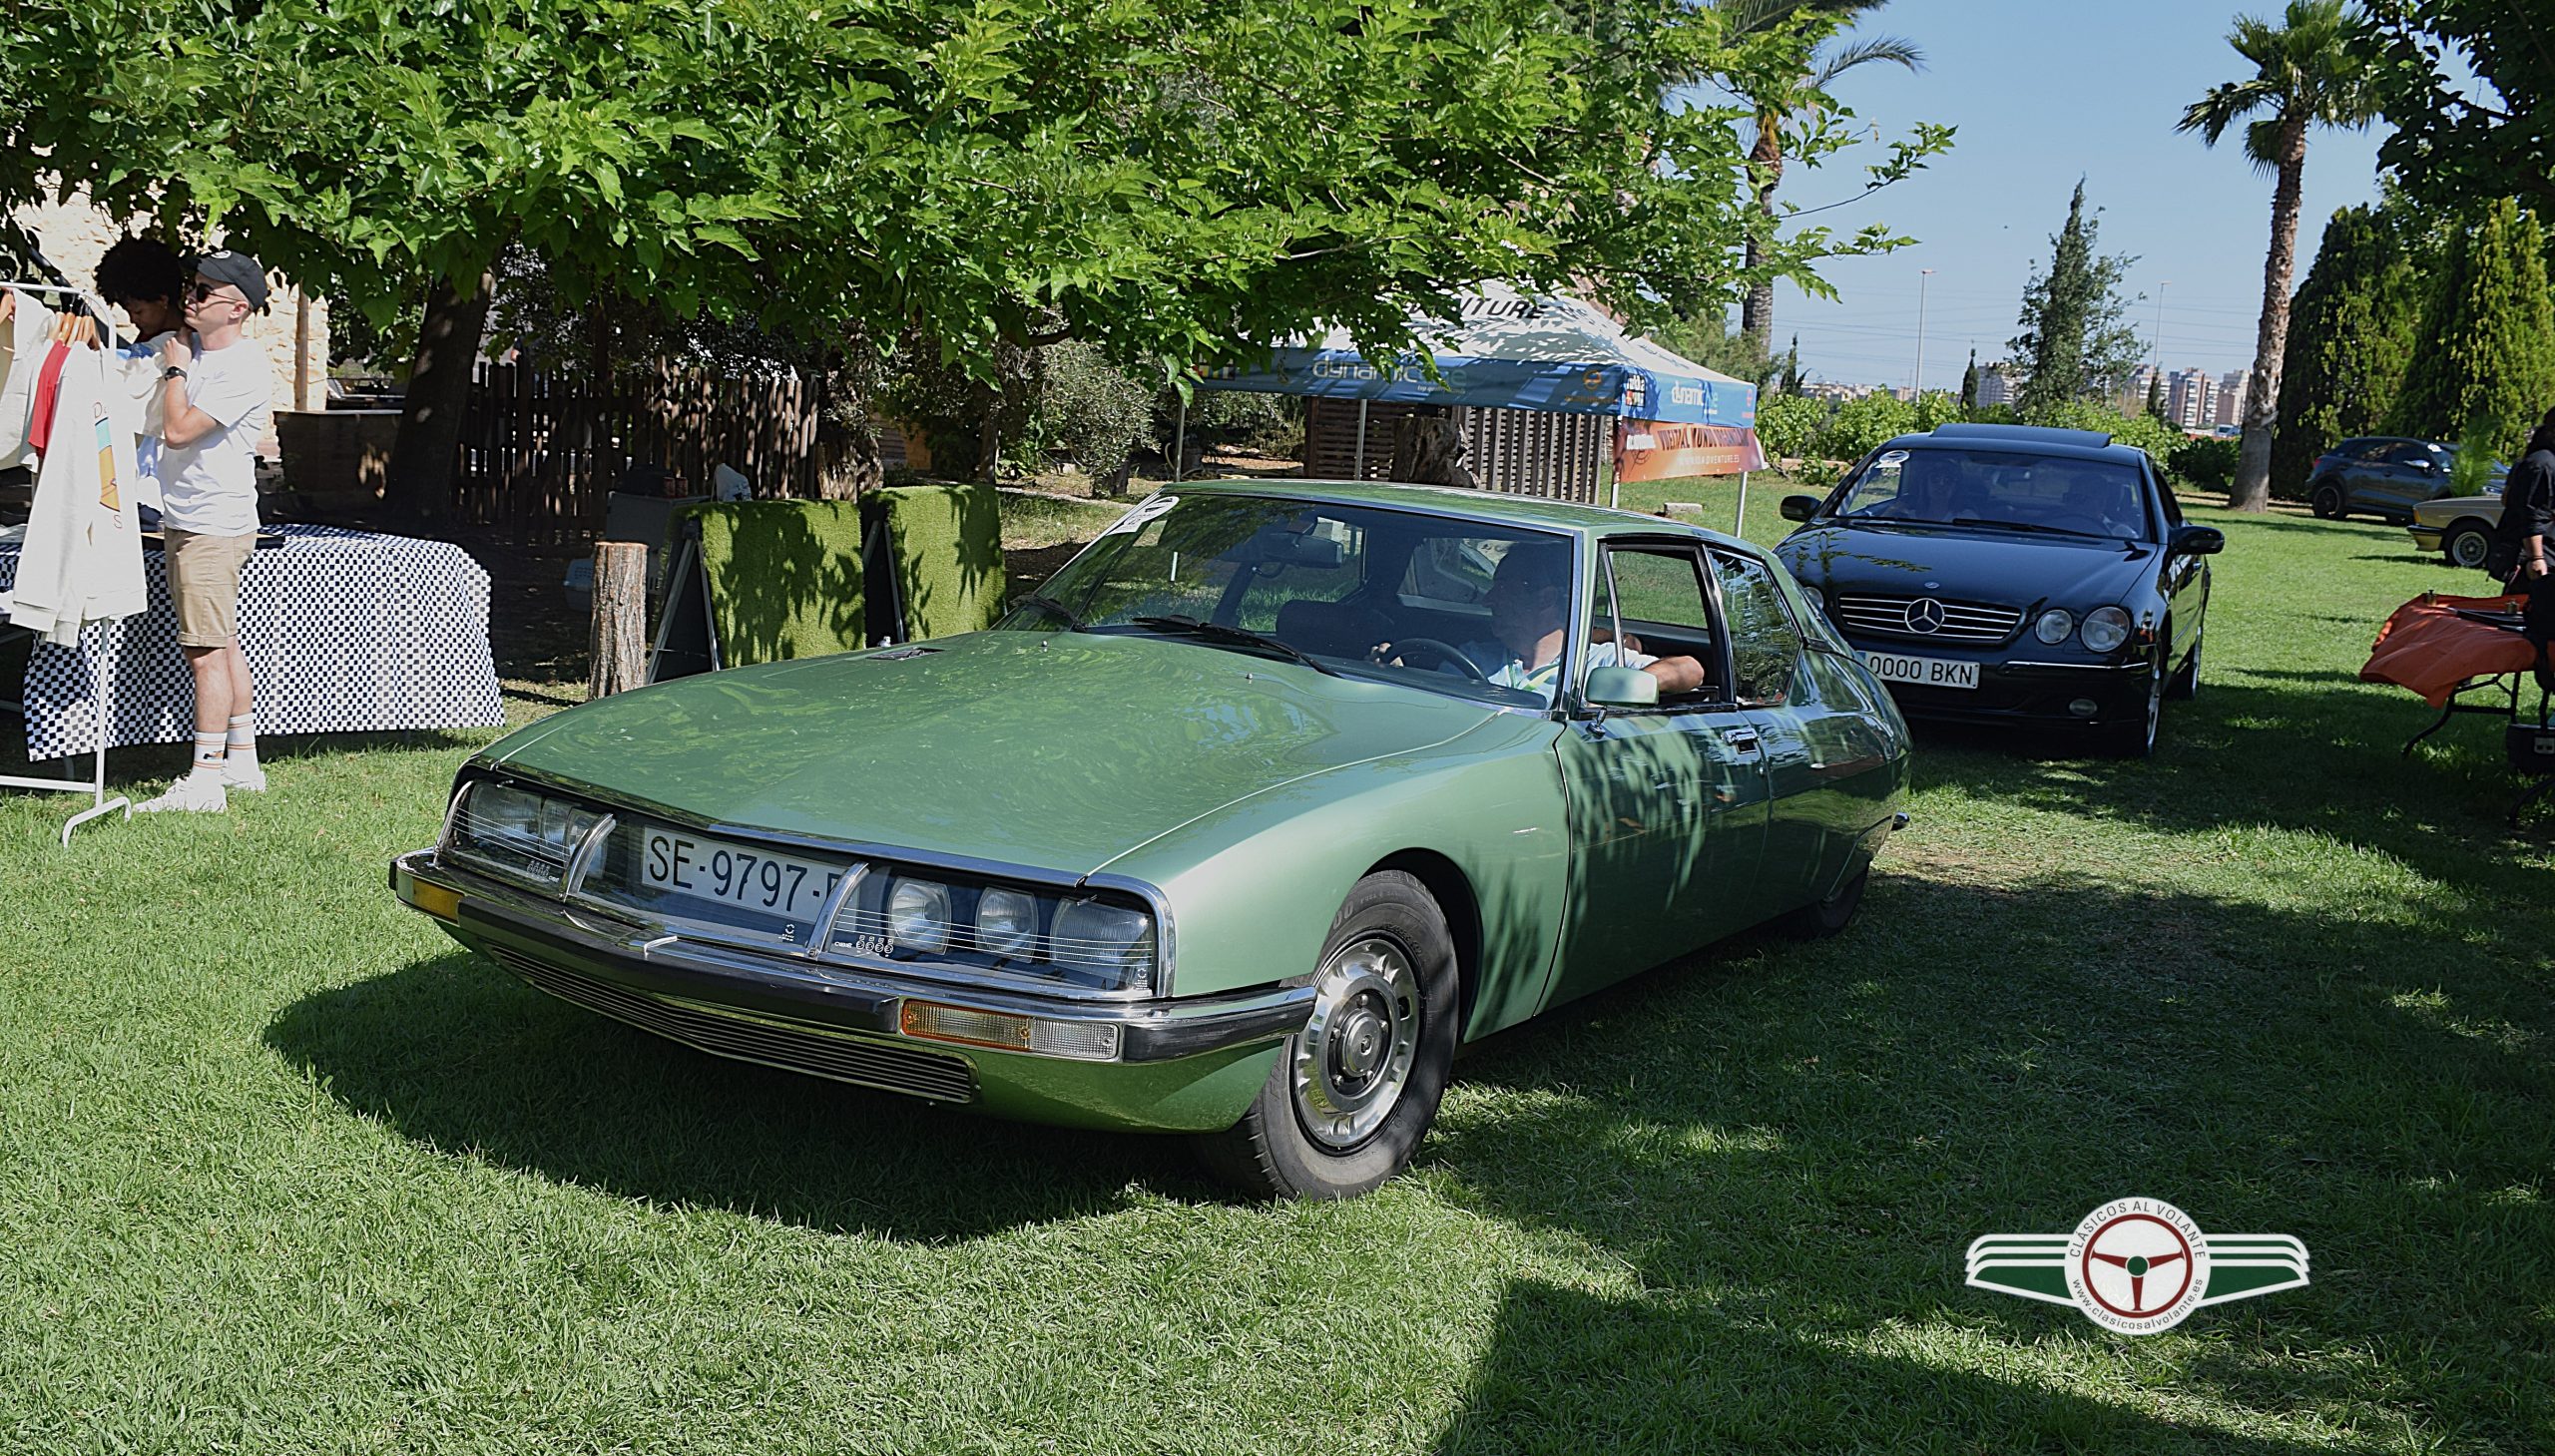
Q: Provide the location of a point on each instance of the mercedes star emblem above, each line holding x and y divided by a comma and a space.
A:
1925, 615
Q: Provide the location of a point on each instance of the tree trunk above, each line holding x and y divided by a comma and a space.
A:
1429, 450
419, 485
2252, 488
620, 639
1765, 173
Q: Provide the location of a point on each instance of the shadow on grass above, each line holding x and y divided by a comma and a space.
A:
1787, 1154
458, 1055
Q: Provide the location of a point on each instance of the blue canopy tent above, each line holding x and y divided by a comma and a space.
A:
1506, 350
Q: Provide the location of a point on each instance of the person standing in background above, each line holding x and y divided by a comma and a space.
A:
148, 281
214, 401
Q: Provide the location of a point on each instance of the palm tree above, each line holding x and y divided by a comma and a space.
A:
2308, 71
1779, 104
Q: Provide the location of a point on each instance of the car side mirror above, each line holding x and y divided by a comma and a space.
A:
2424, 467
2198, 540
1800, 507
1622, 688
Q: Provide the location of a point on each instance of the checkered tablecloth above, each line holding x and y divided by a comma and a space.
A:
345, 631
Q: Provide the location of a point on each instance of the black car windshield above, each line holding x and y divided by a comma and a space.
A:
2053, 494
1350, 590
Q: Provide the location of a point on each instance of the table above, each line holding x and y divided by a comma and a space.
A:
345, 631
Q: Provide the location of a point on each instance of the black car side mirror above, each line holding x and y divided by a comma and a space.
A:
2198, 540
1800, 507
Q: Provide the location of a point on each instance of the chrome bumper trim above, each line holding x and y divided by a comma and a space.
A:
828, 997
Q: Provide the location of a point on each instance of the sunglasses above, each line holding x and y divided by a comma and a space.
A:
207, 292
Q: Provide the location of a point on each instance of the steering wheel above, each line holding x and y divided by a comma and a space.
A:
1446, 652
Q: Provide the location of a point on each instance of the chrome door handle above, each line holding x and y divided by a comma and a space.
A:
1741, 740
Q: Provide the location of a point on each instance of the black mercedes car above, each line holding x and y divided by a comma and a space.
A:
2007, 574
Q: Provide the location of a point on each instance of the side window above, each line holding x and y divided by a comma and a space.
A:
2164, 498
1657, 593
1764, 647
2404, 454
1453, 571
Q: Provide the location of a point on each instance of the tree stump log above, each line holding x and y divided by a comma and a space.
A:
620, 639
1429, 450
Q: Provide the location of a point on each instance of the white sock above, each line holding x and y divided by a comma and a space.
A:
242, 742
208, 750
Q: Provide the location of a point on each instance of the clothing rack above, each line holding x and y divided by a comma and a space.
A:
101, 688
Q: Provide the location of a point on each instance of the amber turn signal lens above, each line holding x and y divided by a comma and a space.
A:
435, 901
1084, 1042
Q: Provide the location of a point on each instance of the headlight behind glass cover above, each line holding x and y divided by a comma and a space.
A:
2053, 627
518, 832
2105, 628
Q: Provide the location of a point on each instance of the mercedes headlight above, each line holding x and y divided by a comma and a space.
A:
2106, 628
1006, 922
918, 915
516, 832
1111, 944
2053, 627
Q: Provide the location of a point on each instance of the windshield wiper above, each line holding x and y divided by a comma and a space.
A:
1055, 608
2033, 526
1234, 635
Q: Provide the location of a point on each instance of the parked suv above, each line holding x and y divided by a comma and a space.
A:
2382, 475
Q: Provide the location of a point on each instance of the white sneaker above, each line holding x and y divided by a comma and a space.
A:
195, 793
251, 779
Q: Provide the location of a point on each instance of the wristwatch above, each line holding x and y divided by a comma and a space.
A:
173, 373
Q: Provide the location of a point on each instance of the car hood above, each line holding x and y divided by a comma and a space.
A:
1059, 752
2450, 507
1962, 563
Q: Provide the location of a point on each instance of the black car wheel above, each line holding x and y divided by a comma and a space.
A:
2466, 544
2328, 503
1355, 1090
2186, 684
2135, 738
1831, 915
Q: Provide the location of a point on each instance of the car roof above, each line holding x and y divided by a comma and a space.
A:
2082, 444
1488, 506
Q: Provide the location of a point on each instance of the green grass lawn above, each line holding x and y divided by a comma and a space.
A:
282, 1171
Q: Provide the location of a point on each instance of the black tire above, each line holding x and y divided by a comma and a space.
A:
1831, 915
1307, 1135
2467, 543
2328, 503
2136, 738
2184, 686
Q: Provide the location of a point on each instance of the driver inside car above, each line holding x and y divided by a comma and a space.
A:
1528, 598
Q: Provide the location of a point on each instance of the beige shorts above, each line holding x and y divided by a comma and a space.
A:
204, 583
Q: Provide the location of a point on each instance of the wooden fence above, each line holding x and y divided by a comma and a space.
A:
538, 451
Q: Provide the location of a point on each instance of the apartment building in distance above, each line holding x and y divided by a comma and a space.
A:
2229, 410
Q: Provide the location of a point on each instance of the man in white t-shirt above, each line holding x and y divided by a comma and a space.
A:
215, 393
1529, 600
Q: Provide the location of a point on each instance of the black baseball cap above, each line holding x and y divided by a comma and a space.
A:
240, 270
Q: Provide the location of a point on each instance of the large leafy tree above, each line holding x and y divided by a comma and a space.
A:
2075, 340
1790, 102
2469, 87
2310, 69
2351, 335
2486, 345
1168, 180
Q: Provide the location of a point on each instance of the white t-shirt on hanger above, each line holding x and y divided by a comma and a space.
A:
211, 486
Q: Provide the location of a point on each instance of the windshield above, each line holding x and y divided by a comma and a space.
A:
2066, 494
1350, 590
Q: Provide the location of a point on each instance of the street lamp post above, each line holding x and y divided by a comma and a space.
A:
1922, 275
2160, 341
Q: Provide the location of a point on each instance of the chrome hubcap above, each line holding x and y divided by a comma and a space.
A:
1354, 1057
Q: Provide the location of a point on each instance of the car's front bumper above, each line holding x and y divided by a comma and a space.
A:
2023, 691
1187, 1064
2426, 538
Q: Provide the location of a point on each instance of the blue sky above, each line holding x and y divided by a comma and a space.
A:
2045, 91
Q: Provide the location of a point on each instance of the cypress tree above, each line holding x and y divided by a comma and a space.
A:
2487, 337
2351, 335
2074, 339
1969, 385
2155, 394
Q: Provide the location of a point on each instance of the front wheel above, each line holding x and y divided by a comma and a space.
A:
1355, 1090
2327, 502
2467, 544
2186, 684
2136, 738
1829, 916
